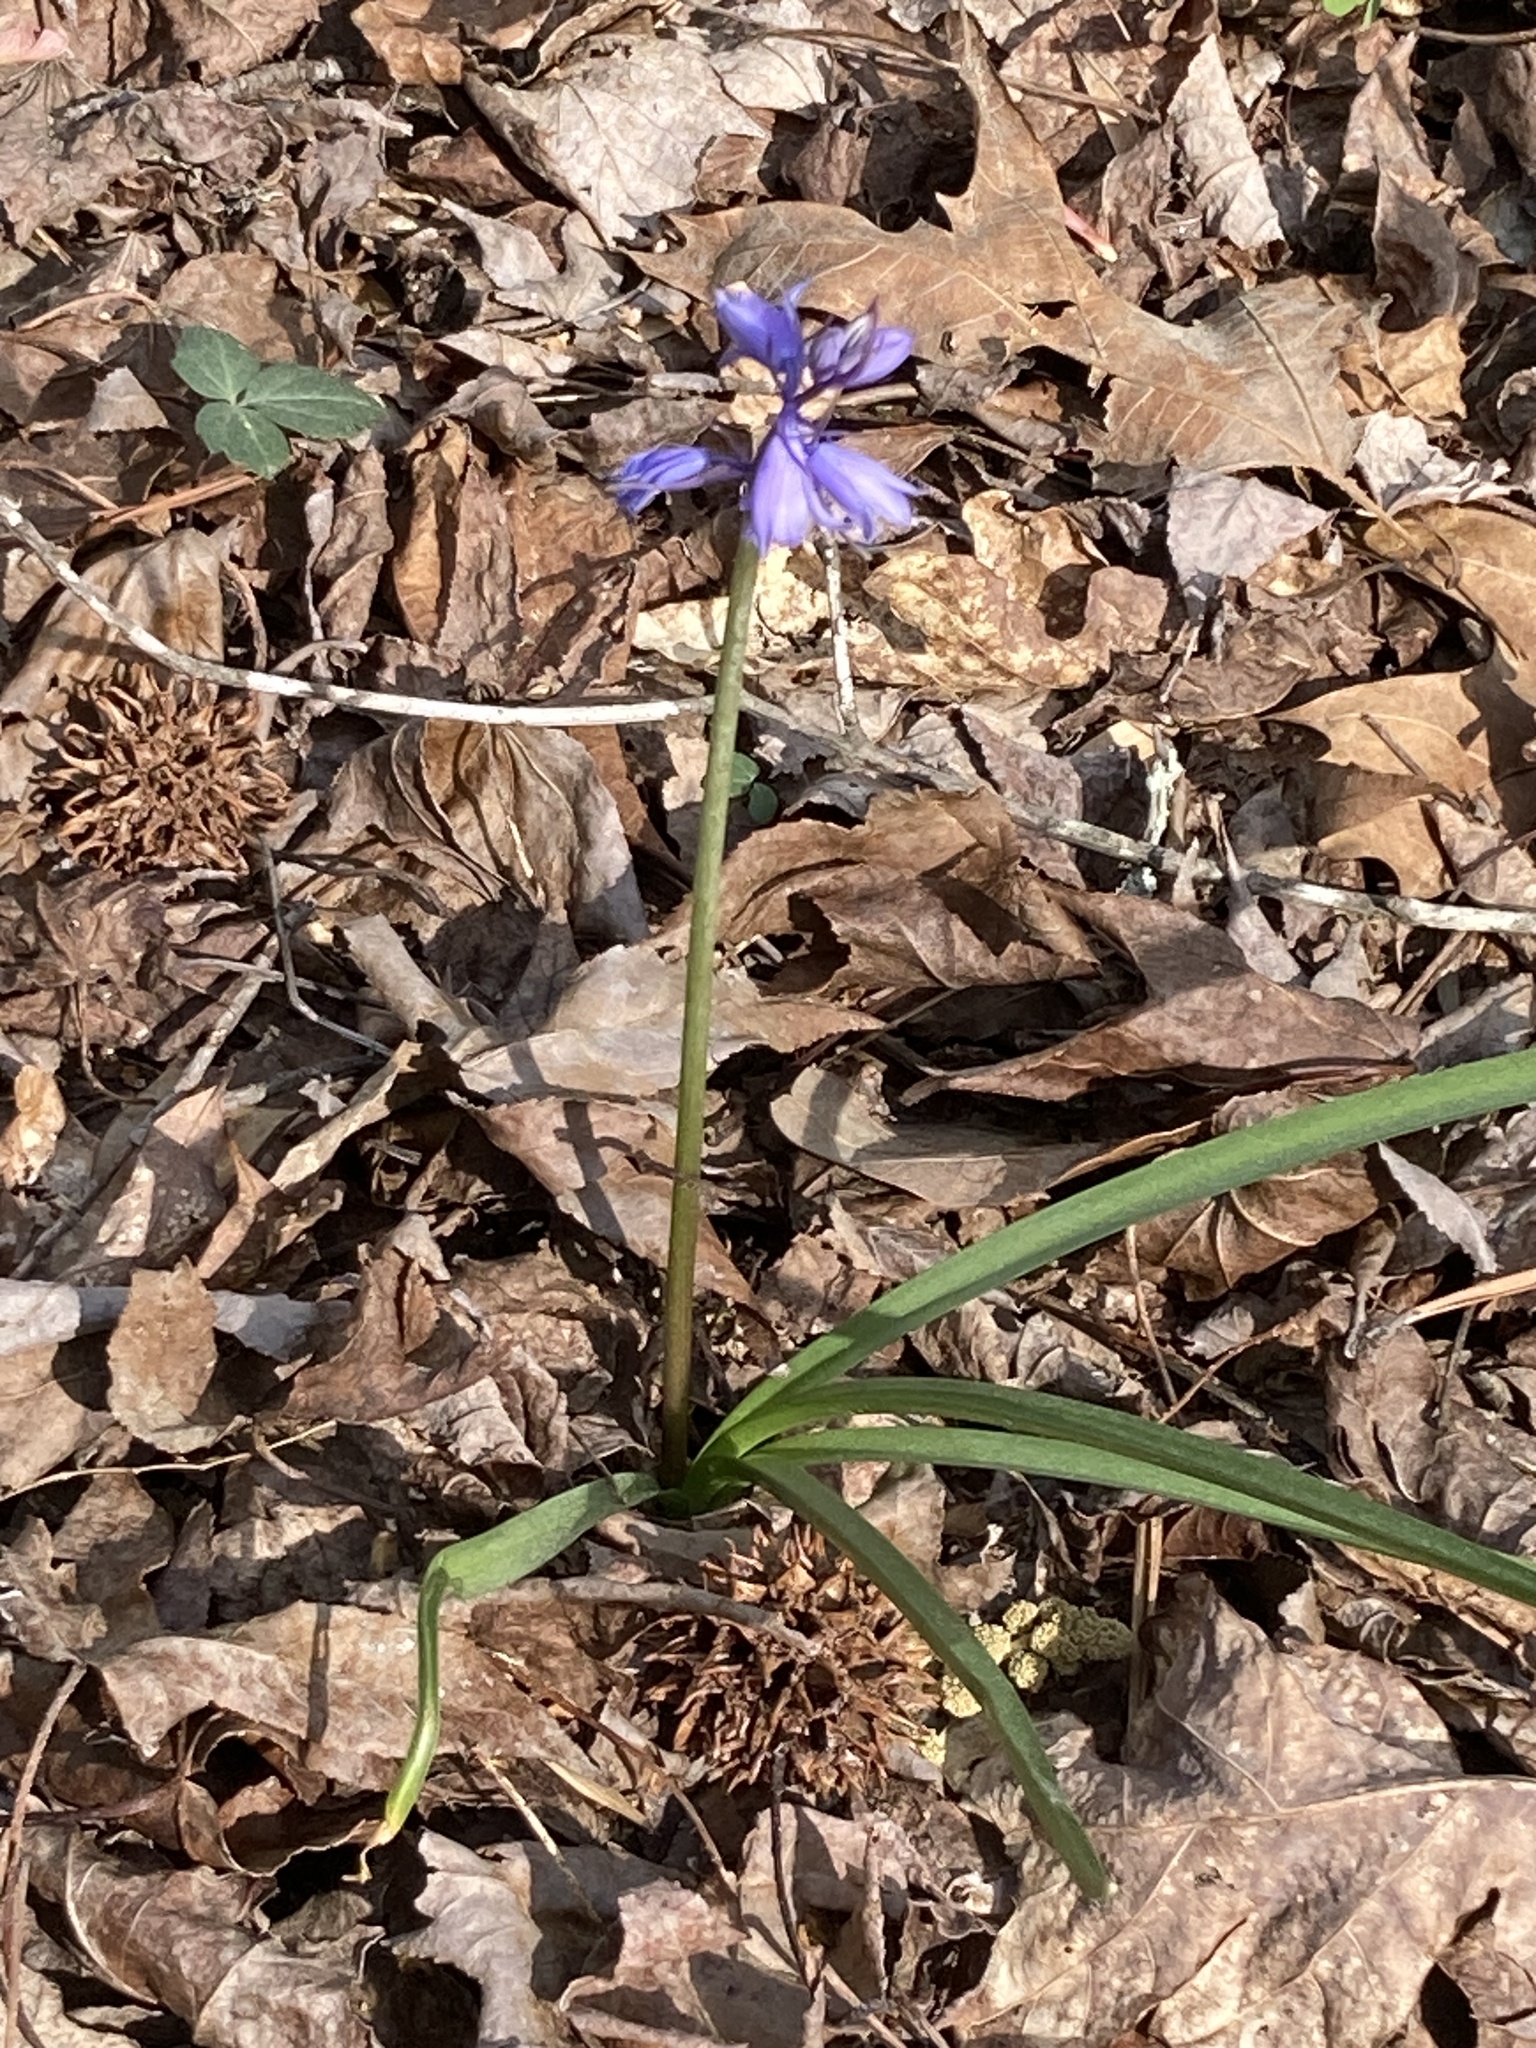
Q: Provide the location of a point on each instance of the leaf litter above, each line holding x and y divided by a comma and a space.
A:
1174, 771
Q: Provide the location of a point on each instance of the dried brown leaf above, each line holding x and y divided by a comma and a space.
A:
162, 1357
614, 1031
1294, 1849
1034, 607
1218, 1244
926, 892
1208, 1017
1448, 729
1253, 385
353, 1727
621, 130
608, 1166
1225, 176
175, 1938
966, 292
1219, 526
480, 1918
223, 41
953, 1165
1481, 556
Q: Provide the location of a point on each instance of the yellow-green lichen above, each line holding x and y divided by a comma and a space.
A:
1035, 1639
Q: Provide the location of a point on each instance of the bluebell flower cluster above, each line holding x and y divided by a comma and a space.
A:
802, 479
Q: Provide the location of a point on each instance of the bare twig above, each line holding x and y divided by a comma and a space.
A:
1164, 860
384, 702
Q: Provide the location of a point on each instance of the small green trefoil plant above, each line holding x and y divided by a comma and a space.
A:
808, 1415
253, 406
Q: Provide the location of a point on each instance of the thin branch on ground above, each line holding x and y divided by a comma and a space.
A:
385, 703
1164, 860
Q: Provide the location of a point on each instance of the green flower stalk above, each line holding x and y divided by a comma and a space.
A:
801, 480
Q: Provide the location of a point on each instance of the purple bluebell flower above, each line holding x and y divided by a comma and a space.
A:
802, 478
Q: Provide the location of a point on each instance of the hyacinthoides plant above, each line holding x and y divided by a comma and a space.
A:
802, 481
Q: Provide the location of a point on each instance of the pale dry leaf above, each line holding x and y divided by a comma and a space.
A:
225, 40
1407, 1435
120, 402
1253, 386
479, 1916
1034, 609
1401, 467
614, 1030
354, 1728
621, 130
1442, 1208
609, 1167
1220, 526
1226, 179
172, 586
1486, 865
770, 66
162, 1357
416, 40
38, 1119
1293, 1847
48, 173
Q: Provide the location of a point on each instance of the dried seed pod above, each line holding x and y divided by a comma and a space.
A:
159, 771
739, 1696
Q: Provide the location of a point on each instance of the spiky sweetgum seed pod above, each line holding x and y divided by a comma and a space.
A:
736, 1697
156, 771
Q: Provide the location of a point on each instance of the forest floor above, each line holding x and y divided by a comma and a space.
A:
1173, 768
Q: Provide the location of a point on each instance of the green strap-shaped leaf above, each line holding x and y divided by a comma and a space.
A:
312, 402
1197, 1173
213, 364
471, 1570
245, 437
1063, 1439
954, 1644
1154, 1458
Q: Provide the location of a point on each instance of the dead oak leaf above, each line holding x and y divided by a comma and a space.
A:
967, 292
1294, 1850
1033, 607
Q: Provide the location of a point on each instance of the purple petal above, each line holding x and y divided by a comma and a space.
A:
646, 476
859, 494
781, 505
853, 353
766, 333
